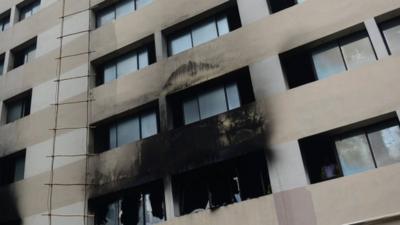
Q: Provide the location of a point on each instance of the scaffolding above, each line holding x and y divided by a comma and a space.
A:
86, 103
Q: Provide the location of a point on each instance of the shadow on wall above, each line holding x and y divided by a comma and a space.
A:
8, 207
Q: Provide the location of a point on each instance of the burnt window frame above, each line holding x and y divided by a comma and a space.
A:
241, 77
24, 99
97, 204
27, 6
229, 9
8, 167
227, 172
101, 132
99, 65
291, 56
24, 50
328, 141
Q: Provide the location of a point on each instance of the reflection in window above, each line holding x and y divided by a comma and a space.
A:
29, 10
12, 168
211, 102
117, 10
327, 61
357, 51
385, 144
391, 33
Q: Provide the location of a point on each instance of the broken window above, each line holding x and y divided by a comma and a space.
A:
5, 20
18, 106
138, 206
12, 168
125, 64
391, 34
304, 65
24, 54
126, 130
121, 8
329, 156
27, 10
222, 183
229, 92
203, 31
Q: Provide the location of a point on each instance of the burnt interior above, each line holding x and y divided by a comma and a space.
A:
222, 183
241, 77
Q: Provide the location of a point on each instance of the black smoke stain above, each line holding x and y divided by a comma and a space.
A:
10, 214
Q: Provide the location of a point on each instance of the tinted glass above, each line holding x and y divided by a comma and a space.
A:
223, 25
328, 60
204, 32
149, 124
180, 43
128, 131
19, 171
391, 32
125, 7
143, 58
105, 16
126, 65
190, 111
212, 103
232, 92
14, 111
110, 73
354, 154
141, 3
385, 145
357, 51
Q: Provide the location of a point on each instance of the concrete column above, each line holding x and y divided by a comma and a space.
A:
286, 168
169, 198
161, 46
376, 38
8, 62
14, 16
252, 10
267, 77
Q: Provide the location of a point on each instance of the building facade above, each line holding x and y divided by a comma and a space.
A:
276, 112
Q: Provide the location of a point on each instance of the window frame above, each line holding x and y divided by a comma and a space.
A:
24, 99
31, 7
8, 167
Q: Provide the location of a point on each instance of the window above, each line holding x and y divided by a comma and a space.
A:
391, 33
126, 64
2, 58
126, 130
117, 10
221, 184
24, 54
212, 98
5, 21
12, 168
304, 66
278, 5
28, 10
18, 107
329, 156
202, 32
140, 206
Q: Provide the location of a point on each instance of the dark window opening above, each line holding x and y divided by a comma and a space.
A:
18, 106
28, 9
222, 183
331, 155
391, 34
138, 206
2, 58
278, 5
126, 130
304, 65
125, 64
211, 98
12, 168
5, 20
205, 30
24, 54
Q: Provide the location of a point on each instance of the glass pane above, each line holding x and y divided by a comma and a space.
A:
180, 43
212, 103
1, 66
128, 131
385, 145
327, 61
232, 92
151, 217
204, 32
141, 3
354, 154
30, 55
105, 16
124, 8
35, 7
112, 213
19, 171
143, 59
357, 51
126, 65
113, 137
223, 25
110, 73
149, 124
14, 112
391, 32
190, 111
